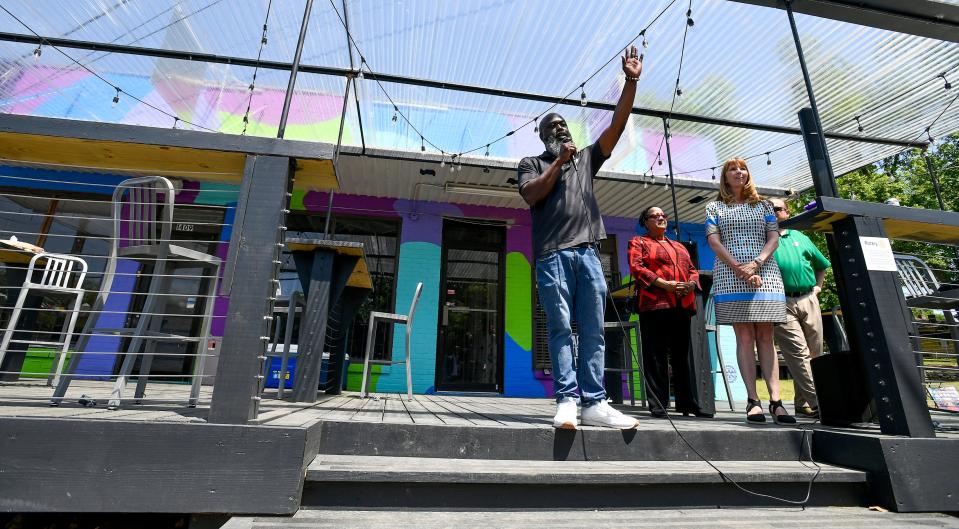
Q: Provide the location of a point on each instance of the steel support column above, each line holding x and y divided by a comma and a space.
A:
291, 84
873, 306
255, 246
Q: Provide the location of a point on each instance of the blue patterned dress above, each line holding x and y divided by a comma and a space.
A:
742, 230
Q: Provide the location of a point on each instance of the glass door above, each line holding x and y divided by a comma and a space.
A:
470, 339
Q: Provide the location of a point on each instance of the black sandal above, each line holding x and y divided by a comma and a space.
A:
780, 419
757, 417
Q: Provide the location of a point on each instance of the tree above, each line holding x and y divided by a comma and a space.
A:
904, 176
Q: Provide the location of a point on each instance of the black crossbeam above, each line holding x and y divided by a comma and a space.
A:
429, 83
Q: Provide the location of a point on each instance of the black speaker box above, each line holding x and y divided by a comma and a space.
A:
845, 397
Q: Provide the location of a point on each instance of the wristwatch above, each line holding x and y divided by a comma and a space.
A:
759, 261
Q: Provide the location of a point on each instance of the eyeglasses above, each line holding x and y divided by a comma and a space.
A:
777, 209
657, 216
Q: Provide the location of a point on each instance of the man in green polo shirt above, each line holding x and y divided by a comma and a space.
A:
803, 268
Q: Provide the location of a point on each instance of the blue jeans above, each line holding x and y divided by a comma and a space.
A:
570, 283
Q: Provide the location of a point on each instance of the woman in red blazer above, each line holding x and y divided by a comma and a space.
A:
666, 281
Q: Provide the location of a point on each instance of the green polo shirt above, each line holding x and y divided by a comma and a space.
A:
798, 260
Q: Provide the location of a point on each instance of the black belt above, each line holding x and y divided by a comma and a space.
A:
797, 294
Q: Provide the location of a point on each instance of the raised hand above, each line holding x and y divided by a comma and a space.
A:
632, 62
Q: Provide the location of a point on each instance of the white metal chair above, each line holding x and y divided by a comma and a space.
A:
62, 274
407, 320
142, 227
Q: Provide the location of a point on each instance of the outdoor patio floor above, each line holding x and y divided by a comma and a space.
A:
167, 403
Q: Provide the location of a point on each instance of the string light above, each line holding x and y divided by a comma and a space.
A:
714, 173
929, 135
679, 91
116, 98
37, 53
948, 85
535, 129
175, 120
443, 160
689, 18
858, 124
459, 164
256, 69
396, 112
583, 100
769, 160
487, 150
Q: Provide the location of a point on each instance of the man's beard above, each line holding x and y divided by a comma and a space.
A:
554, 145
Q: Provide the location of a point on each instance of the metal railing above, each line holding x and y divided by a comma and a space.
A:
149, 304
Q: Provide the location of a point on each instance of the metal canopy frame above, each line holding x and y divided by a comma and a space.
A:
923, 18
428, 83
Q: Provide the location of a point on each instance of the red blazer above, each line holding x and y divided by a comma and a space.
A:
649, 259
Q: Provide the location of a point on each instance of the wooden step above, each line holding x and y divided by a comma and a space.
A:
745, 518
393, 482
653, 441
445, 470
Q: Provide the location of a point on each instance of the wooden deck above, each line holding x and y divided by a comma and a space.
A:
66, 458
165, 402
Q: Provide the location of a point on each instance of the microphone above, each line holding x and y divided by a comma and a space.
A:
572, 160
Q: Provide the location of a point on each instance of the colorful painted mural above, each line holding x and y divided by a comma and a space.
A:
419, 260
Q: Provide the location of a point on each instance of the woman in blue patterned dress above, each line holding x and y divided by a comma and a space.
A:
747, 287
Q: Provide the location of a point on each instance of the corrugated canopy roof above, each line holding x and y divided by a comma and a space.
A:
739, 64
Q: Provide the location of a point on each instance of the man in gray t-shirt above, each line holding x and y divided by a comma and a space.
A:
558, 186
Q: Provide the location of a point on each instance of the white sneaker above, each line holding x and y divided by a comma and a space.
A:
565, 415
602, 414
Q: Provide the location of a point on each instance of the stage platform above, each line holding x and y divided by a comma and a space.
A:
437, 451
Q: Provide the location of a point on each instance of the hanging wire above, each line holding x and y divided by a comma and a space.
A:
256, 68
98, 76
61, 73
676, 90
425, 141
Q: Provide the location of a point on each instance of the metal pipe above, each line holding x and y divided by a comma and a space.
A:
672, 188
296, 66
336, 156
808, 81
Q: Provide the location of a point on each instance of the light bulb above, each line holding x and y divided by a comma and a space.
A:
582, 96
116, 98
768, 159
37, 52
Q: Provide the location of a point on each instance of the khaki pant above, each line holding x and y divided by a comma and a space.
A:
799, 340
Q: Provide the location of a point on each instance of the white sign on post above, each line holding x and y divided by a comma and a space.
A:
877, 252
